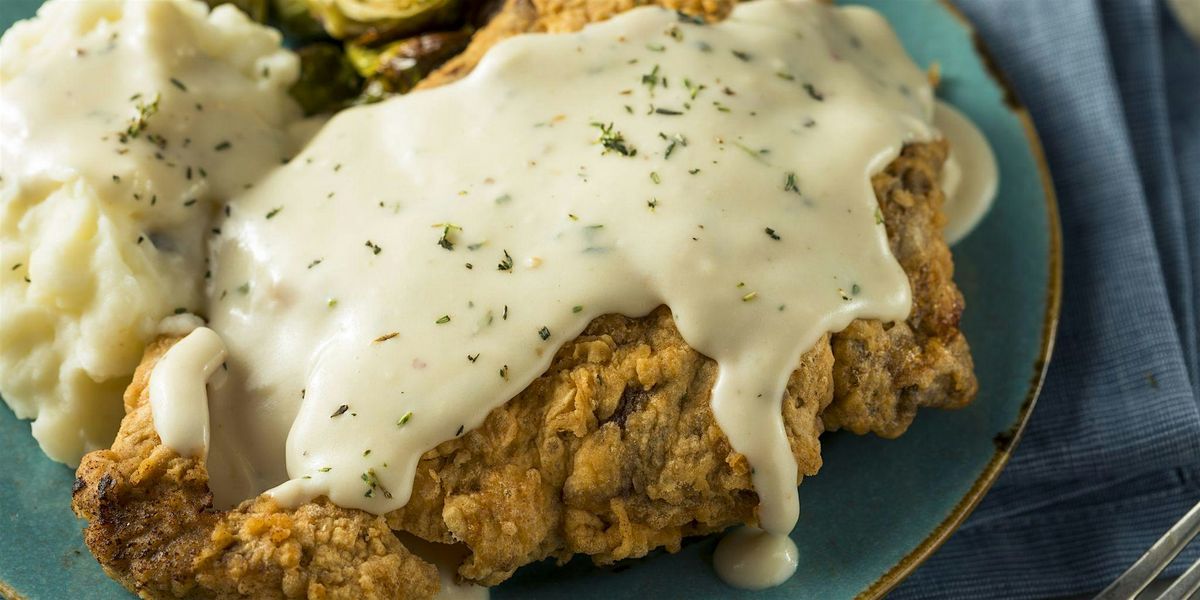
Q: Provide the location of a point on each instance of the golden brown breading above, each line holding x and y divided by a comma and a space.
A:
555, 16
612, 452
153, 528
883, 372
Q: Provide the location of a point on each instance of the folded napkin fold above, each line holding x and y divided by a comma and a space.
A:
1111, 456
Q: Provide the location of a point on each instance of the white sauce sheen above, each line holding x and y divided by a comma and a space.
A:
178, 391
970, 175
362, 332
124, 124
753, 559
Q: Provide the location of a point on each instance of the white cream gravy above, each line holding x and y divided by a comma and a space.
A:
753, 559
178, 392
422, 260
970, 175
337, 283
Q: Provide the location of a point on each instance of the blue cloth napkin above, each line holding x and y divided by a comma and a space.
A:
1111, 457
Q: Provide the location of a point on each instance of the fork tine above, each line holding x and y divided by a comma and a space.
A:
1142, 572
1185, 586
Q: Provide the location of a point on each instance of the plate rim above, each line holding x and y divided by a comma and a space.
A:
1007, 441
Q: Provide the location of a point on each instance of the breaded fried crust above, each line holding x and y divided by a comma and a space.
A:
612, 452
153, 528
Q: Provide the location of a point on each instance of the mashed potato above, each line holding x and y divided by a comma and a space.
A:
127, 125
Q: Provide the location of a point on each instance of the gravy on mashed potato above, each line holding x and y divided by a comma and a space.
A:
126, 126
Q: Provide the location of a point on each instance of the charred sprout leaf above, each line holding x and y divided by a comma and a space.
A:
257, 9
296, 20
397, 67
377, 21
477, 13
327, 80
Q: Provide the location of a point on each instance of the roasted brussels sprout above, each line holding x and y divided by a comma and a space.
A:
257, 9
397, 67
382, 20
327, 79
296, 20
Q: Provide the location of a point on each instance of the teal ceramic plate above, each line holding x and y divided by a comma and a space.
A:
878, 507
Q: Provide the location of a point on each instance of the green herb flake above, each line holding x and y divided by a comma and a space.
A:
341, 410
613, 141
179, 84
405, 419
651, 79
654, 177
372, 481
506, 264
448, 230
274, 211
673, 142
223, 146
139, 123
789, 183
771, 234
749, 297
577, 308
442, 320
544, 333
375, 248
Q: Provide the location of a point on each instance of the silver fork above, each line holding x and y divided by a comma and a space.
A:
1141, 573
